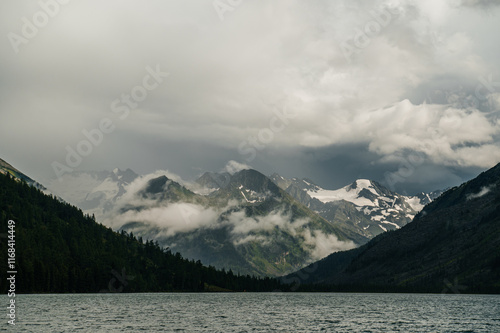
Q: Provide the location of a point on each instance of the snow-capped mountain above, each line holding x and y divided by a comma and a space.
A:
242, 220
458, 234
365, 206
239, 220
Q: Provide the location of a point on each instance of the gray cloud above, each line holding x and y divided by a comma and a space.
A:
479, 3
229, 79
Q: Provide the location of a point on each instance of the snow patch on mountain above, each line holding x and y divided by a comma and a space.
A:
371, 207
364, 194
416, 203
347, 193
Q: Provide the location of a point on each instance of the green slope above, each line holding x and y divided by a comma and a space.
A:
273, 252
59, 249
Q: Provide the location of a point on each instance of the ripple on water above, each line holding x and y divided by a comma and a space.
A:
253, 312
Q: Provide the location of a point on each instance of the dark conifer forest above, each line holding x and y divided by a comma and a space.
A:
61, 250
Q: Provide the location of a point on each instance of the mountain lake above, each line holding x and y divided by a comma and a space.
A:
256, 312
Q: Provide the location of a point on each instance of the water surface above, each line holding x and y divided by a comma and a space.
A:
256, 312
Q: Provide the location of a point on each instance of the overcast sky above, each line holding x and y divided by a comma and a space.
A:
403, 92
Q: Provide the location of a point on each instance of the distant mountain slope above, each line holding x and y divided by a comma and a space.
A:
242, 221
94, 192
61, 250
245, 222
364, 208
453, 243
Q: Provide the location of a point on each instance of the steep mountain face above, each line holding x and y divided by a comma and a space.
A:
248, 186
246, 223
213, 180
455, 238
242, 221
362, 209
93, 192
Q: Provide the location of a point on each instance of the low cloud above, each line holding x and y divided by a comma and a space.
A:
317, 243
168, 219
233, 167
172, 219
324, 245
250, 238
243, 225
484, 190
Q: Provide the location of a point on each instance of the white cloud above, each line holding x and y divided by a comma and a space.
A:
251, 238
233, 167
317, 243
484, 190
170, 219
130, 197
447, 135
228, 77
242, 224
324, 245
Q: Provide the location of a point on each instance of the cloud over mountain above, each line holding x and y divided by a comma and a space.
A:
378, 76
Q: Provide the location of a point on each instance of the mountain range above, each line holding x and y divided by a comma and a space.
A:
452, 245
242, 220
364, 207
253, 224
61, 250
247, 224
95, 192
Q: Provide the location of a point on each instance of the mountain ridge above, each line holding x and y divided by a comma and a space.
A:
62, 250
454, 238
246, 222
365, 207
242, 220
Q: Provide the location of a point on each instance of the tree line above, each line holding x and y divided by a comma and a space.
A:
59, 249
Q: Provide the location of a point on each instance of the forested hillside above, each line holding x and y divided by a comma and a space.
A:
59, 250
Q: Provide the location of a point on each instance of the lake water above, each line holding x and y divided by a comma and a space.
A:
256, 312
